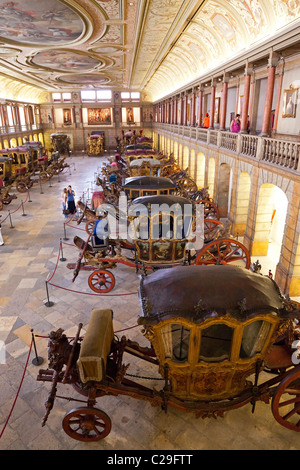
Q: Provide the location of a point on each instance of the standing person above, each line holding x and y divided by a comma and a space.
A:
1, 239
64, 201
206, 121
235, 125
71, 200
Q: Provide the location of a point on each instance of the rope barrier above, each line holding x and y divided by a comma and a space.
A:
76, 291
13, 212
12, 408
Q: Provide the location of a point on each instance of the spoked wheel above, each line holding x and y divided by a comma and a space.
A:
89, 227
212, 229
186, 186
211, 210
1, 205
286, 401
224, 251
21, 187
86, 424
102, 281
43, 176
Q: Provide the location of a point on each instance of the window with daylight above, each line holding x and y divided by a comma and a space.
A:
66, 97
130, 96
56, 97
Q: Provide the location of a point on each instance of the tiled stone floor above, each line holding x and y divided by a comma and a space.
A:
28, 258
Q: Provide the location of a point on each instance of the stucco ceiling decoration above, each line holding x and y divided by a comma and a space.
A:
218, 31
53, 43
152, 46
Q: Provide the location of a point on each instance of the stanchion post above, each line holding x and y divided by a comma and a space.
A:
65, 233
62, 255
29, 200
11, 225
48, 303
23, 215
41, 187
37, 360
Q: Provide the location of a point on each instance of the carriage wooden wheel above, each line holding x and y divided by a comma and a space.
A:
87, 424
43, 175
286, 401
186, 186
212, 228
101, 281
89, 227
210, 209
21, 187
169, 170
224, 251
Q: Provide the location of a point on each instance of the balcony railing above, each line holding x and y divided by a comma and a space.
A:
282, 153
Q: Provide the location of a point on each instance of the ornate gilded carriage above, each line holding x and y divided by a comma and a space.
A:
61, 143
212, 331
139, 186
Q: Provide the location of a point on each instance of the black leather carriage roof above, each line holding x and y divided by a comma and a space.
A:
167, 199
148, 182
200, 292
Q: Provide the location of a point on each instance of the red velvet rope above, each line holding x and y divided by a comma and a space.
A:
10, 413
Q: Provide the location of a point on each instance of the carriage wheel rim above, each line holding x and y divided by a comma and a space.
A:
224, 257
101, 281
279, 408
87, 424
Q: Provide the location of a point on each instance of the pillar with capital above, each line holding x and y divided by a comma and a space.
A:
212, 103
200, 105
224, 102
272, 64
247, 86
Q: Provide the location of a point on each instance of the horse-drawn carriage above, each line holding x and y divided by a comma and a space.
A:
161, 230
95, 144
212, 332
61, 143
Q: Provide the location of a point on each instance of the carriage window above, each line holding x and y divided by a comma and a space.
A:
216, 343
162, 225
176, 339
254, 338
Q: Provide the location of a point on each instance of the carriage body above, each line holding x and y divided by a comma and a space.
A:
145, 166
213, 327
139, 186
61, 143
95, 144
209, 345
162, 227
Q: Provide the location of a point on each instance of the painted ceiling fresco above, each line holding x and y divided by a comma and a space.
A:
152, 46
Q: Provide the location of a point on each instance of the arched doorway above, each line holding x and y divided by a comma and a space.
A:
180, 155
211, 176
200, 173
223, 196
185, 161
269, 228
242, 204
176, 151
192, 164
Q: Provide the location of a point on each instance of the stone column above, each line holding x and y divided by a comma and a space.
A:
224, 102
212, 103
279, 88
200, 105
247, 85
192, 123
272, 63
